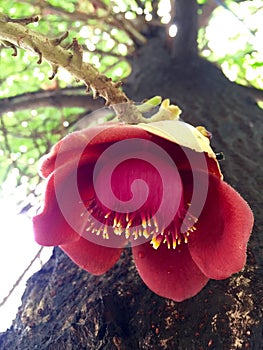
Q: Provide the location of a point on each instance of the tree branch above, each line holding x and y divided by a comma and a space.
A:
14, 33
68, 97
255, 93
185, 42
207, 10
17, 34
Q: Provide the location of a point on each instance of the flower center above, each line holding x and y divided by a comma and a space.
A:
139, 203
137, 225
174, 234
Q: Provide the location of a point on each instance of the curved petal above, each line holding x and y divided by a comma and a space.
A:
84, 144
94, 258
181, 133
50, 226
188, 137
167, 272
61, 219
218, 246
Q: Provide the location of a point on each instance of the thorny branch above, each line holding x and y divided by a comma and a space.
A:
15, 33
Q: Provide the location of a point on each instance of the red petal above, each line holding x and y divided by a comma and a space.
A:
92, 257
169, 273
219, 245
88, 140
50, 226
92, 141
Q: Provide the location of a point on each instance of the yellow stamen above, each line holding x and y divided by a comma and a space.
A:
156, 242
135, 235
105, 232
129, 223
144, 222
146, 234
167, 241
107, 215
118, 230
139, 232
127, 233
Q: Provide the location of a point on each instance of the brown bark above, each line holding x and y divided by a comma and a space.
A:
207, 10
185, 43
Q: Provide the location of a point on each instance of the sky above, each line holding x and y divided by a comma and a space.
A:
17, 250
18, 247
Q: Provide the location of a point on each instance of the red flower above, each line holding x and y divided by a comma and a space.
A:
157, 186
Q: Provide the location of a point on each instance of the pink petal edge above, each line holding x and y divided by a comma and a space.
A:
50, 226
93, 258
167, 272
219, 245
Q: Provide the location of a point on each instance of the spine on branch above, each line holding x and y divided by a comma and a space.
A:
15, 33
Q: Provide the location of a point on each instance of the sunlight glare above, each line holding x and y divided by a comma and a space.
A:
17, 249
173, 30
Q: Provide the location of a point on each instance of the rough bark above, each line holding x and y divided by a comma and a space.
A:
67, 308
185, 43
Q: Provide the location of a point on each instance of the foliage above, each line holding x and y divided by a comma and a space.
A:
233, 41
110, 32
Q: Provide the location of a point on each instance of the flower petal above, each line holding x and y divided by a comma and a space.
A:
218, 246
89, 142
94, 258
60, 220
185, 135
167, 272
50, 226
181, 133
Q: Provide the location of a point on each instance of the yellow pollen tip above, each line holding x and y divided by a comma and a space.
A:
146, 234
144, 223
155, 242
118, 230
107, 215
135, 235
155, 223
129, 223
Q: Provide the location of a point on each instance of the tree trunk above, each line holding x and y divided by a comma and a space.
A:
65, 307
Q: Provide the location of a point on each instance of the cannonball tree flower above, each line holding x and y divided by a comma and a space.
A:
156, 186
